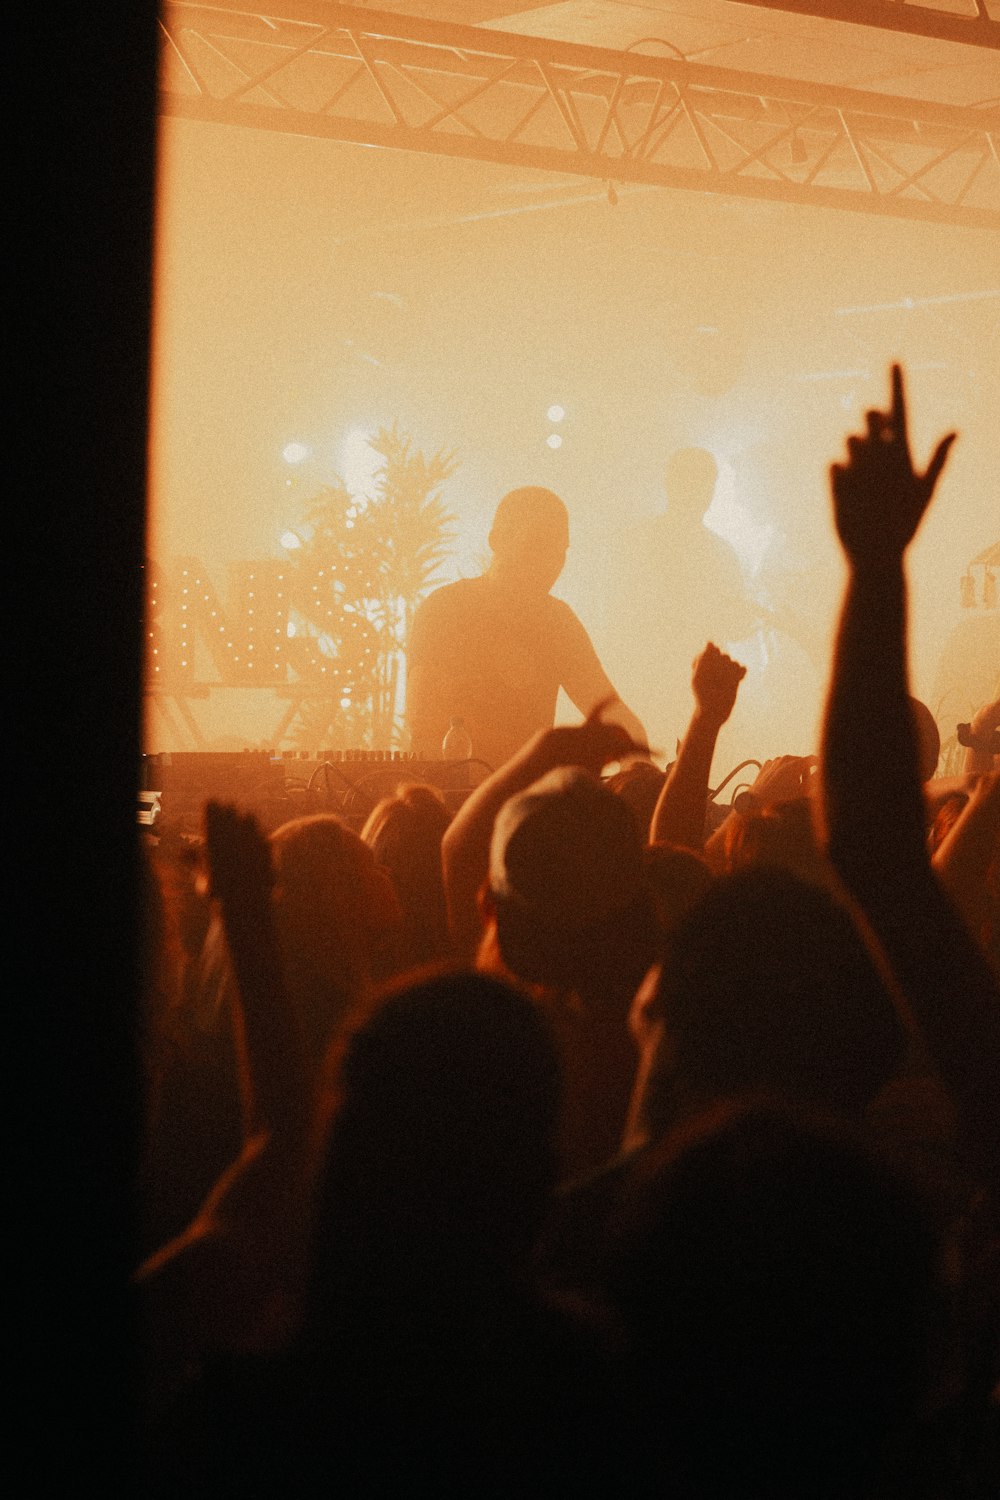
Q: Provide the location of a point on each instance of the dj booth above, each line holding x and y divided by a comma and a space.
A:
277, 786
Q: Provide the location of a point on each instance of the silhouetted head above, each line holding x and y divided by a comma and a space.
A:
767, 987
782, 1288
568, 887
782, 834
639, 785
529, 539
678, 878
928, 739
689, 480
440, 1156
404, 833
333, 907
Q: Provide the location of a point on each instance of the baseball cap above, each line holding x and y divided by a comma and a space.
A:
567, 877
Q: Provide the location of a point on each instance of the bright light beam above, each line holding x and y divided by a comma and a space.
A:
359, 462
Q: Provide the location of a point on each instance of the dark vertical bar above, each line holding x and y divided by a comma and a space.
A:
75, 542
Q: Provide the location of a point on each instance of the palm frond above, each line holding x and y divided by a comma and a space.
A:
371, 559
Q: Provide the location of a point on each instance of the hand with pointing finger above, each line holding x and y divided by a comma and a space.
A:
879, 498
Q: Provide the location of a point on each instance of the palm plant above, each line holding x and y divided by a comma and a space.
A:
365, 563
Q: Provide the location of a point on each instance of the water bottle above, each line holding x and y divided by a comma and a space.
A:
457, 747
457, 743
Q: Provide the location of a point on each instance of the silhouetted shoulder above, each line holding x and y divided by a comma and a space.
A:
449, 600
564, 623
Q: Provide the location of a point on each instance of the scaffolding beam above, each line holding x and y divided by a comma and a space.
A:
309, 67
975, 28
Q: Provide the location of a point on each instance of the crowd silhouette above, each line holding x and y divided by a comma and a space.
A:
592, 1138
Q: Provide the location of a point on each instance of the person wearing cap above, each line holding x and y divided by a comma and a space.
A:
545, 880
571, 911
494, 651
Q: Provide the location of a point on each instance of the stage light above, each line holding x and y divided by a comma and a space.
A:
294, 453
728, 518
556, 413
554, 440
359, 463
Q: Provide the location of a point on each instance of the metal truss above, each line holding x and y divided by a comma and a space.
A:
310, 67
917, 17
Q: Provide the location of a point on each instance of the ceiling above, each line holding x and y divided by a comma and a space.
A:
754, 38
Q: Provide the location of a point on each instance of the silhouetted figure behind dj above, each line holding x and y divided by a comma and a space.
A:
495, 650
676, 585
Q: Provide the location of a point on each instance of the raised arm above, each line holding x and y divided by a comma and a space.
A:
587, 684
272, 1074
872, 790
230, 1279
873, 802
679, 815
465, 849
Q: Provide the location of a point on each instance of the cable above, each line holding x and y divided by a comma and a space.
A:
473, 760
736, 769
326, 766
660, 40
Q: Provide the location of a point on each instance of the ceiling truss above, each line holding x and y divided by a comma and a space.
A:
315, 68
917, 17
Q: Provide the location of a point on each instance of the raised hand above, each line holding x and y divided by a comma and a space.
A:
986, 721
465, 849
241, 875
784, 779
879, 498
981, 738
715, 681
679, 815
593, 744
874, 808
